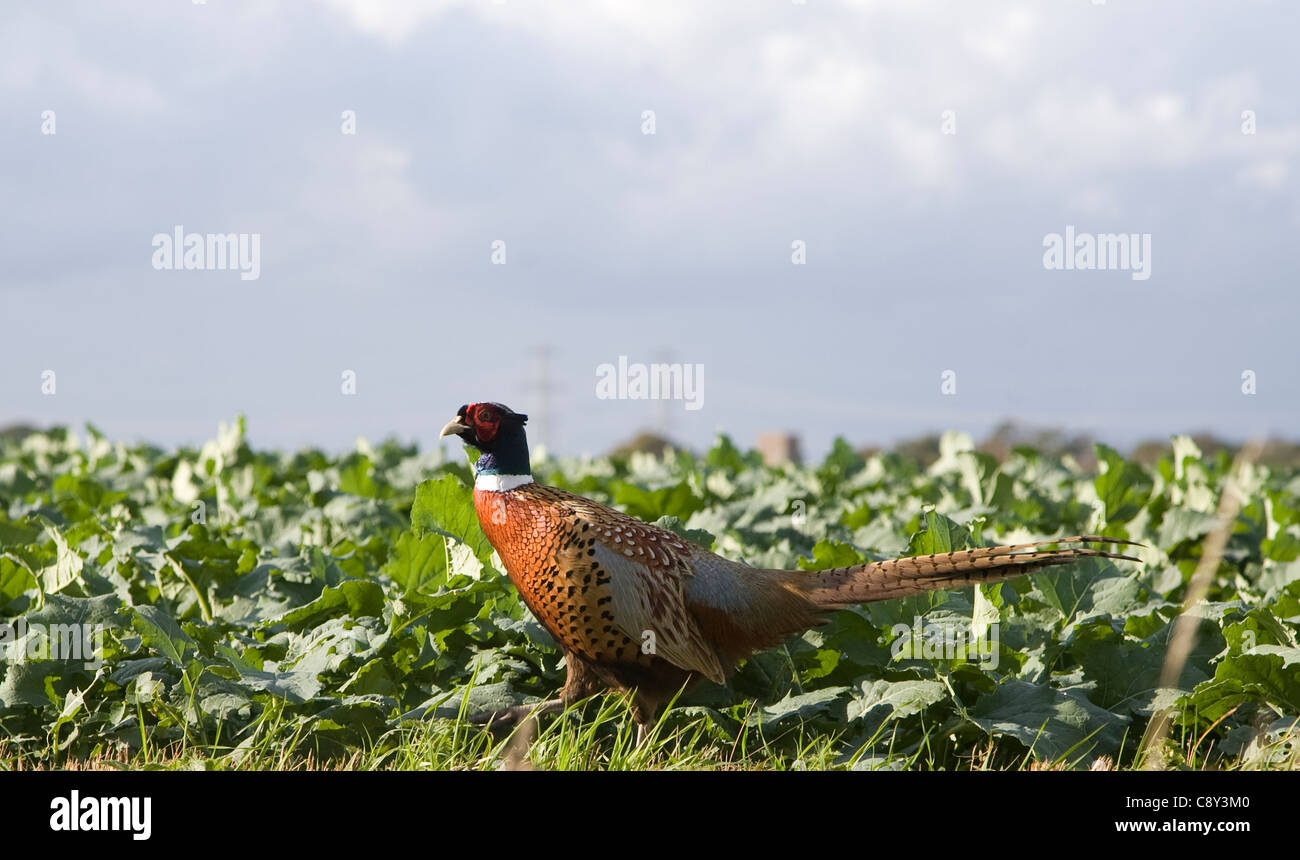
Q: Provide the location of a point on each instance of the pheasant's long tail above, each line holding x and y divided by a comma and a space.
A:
899, 577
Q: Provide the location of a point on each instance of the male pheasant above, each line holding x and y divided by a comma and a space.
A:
637, 608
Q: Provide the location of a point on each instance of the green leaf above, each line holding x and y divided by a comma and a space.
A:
939, 535
1053, 723
15, 579
1087, 588
104, 610
1123, 487
67, 566
1246, 678
900, 698
445, 506
295, 686
676, 501
1183, 524
357, 477
354, 597
828, 554
826, 703
161, 632
28, 683
1126, 672
725, 456
418, 562
840, 464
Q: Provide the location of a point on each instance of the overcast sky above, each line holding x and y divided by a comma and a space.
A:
920, 151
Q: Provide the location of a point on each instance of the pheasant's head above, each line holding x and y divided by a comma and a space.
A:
497, 431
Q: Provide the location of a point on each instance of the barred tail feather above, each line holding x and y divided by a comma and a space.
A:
885, 580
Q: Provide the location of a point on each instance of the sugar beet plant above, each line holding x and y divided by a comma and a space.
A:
216, 601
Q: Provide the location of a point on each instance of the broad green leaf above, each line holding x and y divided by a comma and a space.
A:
900, 698
294, 686
939, 535
649, 505
829, 554
1246, 678
161, 632
67, 565
826, 703
354, 597
1054, 724
444, 506
15, 580
418, 562
1123, 486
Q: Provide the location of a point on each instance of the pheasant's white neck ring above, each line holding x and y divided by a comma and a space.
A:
500, 483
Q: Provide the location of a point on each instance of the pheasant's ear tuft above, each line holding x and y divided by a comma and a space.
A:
497, 412
487, 418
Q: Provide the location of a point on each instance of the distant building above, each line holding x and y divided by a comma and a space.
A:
779, 448
17, 432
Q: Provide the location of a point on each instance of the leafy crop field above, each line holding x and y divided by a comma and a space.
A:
235, 608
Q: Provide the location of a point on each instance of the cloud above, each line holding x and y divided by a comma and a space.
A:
39, 55
392, 20
821, 82
522, 120
1069, 131
1265, 174
362, 187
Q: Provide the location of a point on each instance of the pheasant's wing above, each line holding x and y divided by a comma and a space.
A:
644, 569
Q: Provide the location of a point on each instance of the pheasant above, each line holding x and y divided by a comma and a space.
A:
638, 609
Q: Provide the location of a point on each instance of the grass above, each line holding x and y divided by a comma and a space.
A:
599, 734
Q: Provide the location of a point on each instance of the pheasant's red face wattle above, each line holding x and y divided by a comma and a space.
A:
485, 419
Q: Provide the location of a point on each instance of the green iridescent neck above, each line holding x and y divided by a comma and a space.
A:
509, 455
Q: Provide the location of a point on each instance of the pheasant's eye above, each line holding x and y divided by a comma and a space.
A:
486, 415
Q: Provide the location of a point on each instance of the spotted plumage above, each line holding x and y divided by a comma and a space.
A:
637, 608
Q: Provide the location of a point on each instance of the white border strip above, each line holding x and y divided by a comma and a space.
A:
500, 483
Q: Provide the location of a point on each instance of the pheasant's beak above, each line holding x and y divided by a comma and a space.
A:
455, 427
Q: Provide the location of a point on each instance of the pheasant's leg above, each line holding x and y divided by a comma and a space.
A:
510, 716
581, 680
643, 714
580, 683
